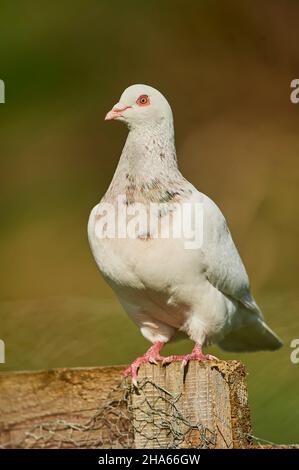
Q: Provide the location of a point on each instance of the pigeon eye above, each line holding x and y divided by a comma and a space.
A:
143, 100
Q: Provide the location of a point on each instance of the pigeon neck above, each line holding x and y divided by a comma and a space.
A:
149, 152
147, 169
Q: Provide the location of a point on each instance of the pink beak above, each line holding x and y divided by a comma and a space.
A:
116, 111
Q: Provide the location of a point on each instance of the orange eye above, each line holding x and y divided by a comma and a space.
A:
143, 100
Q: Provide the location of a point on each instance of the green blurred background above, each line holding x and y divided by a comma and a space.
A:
226, 68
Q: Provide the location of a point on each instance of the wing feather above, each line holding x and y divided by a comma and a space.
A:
224, 267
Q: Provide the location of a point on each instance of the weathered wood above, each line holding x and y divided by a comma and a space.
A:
64, 408
205, 406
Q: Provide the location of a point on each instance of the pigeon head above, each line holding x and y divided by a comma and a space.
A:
141, 105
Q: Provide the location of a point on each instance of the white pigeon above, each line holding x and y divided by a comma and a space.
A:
170, 287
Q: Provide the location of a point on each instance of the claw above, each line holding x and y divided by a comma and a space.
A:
166, 360
134, 382
210, 357
151, 356
152, 360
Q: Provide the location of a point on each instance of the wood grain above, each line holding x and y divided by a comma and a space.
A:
203, 406
206, 406
62, 408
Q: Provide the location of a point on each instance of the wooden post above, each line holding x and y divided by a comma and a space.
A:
203, 406
64, 408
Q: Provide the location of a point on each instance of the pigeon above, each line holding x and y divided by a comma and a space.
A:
173, 283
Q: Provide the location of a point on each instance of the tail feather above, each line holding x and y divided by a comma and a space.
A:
256, 336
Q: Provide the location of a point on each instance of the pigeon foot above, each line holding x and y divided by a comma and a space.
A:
152, 355
195, 355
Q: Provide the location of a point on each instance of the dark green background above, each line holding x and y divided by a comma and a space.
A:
226, 68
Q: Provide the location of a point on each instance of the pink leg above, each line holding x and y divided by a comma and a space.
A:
152, 355
195, 355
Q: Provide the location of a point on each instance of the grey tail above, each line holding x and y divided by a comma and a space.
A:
255, 336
